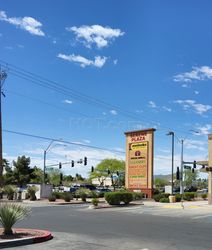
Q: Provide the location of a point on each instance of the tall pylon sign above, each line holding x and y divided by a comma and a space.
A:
210, 166
140, 161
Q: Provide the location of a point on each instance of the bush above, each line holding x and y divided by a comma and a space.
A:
156, 191
204, 196
9, 190
83, 193
52, 198
67, 197
31, 190
114, 198
58, 195
92, 194
95, 202
137, 196
10, 214
178, 197
164, 200
157, 197
188, 196
126, 197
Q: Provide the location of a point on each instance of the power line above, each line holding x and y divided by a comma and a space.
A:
74, 143
45, 103
59, 88
17, 71
65, 142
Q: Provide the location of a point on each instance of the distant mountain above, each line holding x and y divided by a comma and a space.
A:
167, 177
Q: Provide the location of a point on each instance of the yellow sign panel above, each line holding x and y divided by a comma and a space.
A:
137, 168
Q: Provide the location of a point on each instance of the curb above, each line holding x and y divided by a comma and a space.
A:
26, 241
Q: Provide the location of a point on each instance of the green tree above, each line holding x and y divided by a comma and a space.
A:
54, 177
159, 183
8, 177
108, 168
22, 172
189, 177
37, 175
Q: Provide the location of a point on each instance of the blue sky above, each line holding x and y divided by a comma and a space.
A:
151, 58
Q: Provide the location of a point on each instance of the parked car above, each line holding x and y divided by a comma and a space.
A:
87, 186
190, 189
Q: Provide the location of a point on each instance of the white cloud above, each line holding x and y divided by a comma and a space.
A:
29, 24
115, 61
197, 73
67, 101
104, 113
197, 107
95, 34
82, 61
152, 104
167, 109
204, 130
113, 112
195, 144
196, 92
86, 141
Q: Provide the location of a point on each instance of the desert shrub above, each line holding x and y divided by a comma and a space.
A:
126, 197
157, 197
52, 198
164, 200
156, 191
10, 214
114, 198
188, 196
178, 197
95, 202
82, 193
58, 195
137, 196
10, 190
31, 190
67, 197
92, 194
204, 196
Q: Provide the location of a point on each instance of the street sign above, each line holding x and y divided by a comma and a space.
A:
187, 167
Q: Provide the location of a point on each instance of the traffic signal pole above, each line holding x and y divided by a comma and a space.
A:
3, 76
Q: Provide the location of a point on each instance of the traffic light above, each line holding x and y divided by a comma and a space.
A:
178, 173
60, 165
72, 164
194, 164
85, 161
108, 171
92, 169
117, 173
61, 178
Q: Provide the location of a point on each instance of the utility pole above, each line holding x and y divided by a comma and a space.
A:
3, 76
181, 169
172, 134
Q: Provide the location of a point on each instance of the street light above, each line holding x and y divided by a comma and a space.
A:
182, 160
172, 134
44, 159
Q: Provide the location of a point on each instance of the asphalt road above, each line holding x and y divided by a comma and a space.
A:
76, 227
